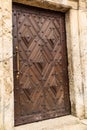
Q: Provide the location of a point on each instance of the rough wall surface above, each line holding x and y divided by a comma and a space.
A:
6, 74
76, 31
1, 71
75, 77
83, 52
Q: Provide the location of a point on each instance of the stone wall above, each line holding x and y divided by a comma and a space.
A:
83, 47
75, 77
6, 66
76, 31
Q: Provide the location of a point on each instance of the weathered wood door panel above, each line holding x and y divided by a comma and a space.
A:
40, 64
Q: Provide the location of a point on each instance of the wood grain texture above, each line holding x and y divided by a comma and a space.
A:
40, 64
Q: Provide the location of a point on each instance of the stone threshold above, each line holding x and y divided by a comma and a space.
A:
84, 121
62, 123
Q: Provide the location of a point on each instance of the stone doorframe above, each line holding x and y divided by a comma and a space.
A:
77, 53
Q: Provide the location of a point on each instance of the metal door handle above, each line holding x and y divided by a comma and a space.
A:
17, 55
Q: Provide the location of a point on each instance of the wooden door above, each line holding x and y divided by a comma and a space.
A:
41, 89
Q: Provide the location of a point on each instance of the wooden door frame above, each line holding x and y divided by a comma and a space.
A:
75, 77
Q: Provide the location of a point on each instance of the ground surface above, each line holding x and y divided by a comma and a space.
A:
62, 123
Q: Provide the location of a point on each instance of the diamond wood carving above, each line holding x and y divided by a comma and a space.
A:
40, 64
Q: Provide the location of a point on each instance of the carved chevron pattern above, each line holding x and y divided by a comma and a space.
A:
41, 77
